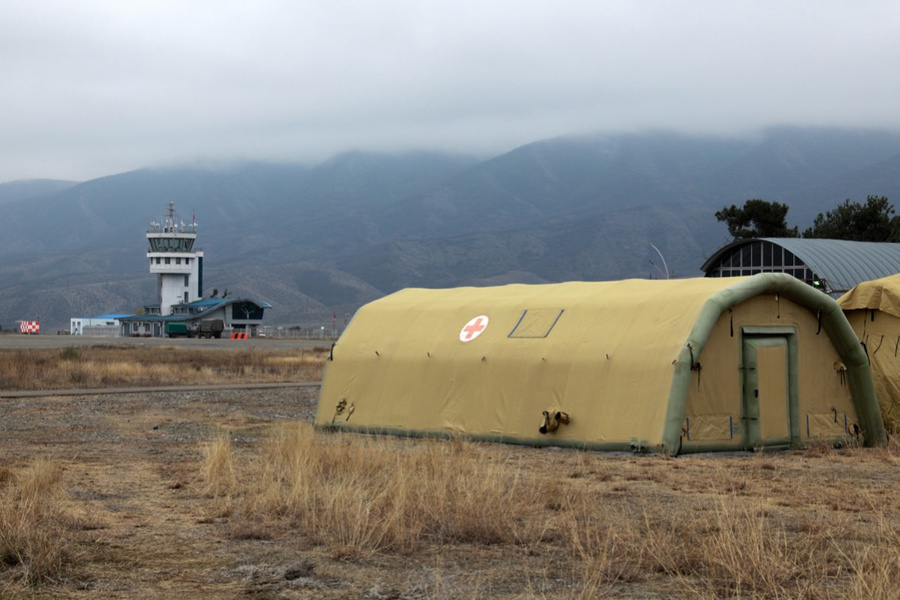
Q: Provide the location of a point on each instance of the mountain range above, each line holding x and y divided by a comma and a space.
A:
317, 241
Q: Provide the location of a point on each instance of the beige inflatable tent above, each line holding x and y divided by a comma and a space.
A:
873, 309
670, 366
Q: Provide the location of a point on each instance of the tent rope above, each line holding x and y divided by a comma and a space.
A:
695, 365
880, 342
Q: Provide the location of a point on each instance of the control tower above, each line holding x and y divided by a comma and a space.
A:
179, 268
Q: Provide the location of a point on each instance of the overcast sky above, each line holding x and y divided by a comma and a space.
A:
92, 88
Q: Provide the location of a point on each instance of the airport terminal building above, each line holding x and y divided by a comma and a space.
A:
180, 309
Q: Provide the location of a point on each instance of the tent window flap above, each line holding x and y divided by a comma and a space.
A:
536, 323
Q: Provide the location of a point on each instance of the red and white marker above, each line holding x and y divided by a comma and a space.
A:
473, 328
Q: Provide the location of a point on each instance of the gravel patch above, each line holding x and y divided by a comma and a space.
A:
163, 416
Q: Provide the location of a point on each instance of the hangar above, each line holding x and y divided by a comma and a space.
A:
833, 265
668, 365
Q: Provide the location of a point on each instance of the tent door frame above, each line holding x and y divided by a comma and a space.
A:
770, 413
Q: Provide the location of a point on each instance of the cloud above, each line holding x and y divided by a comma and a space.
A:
97, 87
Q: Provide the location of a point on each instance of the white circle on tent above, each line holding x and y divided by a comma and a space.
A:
473, 328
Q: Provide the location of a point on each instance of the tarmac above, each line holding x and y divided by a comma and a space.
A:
20, 340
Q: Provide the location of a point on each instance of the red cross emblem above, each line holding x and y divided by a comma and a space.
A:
473, 328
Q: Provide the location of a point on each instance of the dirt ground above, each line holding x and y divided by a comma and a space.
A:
131, 469
131, 465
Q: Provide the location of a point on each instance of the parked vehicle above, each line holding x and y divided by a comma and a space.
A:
207, 328
177, 329
211, 328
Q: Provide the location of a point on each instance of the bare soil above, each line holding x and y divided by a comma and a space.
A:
131, 463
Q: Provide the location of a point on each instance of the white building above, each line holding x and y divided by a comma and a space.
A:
177, 265
101, 325
181, 307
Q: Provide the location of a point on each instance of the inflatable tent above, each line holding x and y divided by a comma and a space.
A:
873, 310
668, 365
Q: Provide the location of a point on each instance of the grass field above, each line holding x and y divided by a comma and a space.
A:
225, 497
116, 366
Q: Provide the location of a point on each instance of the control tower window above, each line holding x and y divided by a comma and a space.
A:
167, 244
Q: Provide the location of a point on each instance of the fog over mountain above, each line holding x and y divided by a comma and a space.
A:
101, 87
321, 240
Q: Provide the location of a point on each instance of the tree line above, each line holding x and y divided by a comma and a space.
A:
874, 221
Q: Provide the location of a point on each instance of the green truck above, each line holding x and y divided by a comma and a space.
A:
177, 329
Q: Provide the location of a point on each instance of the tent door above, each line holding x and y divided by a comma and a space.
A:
767, 399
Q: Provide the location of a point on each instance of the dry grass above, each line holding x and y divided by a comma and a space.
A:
409, 518
218, 468
36, 542
359, 495
99, 366
730, 537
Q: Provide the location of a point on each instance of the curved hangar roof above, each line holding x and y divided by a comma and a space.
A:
839, 264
